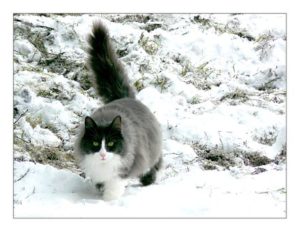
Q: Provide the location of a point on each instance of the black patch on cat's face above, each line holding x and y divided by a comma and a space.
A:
91, 141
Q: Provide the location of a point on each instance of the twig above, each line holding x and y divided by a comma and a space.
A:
221, 139
32, 25
275, 79
21, 139
22, 115
33, 192
22, 176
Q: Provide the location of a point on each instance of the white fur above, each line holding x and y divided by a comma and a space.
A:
101, 170
114, 189
105, 171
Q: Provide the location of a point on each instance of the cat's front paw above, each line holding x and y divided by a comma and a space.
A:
110, 196
114, 190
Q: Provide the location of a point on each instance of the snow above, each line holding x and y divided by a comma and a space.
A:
205, 193
26, 49
213, 92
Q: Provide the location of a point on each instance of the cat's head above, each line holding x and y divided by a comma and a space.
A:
102, 142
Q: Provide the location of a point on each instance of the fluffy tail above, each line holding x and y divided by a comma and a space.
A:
110, 78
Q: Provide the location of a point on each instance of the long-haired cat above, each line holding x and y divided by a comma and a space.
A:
122, 139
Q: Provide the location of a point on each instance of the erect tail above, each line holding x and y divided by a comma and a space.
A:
110, 78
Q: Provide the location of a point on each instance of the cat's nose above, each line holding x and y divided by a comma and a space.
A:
103, 156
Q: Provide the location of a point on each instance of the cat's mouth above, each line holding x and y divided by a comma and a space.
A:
103, 157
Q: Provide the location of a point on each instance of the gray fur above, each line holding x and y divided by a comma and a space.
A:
141, 131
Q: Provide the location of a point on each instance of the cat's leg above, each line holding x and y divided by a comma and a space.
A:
100, 188
150, 176
113, 189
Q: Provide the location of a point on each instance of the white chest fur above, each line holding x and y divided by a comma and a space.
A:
101, 170
105, 171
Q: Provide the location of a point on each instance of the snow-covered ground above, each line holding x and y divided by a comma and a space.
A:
216, 83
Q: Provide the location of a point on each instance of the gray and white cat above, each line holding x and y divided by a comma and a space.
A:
122, 139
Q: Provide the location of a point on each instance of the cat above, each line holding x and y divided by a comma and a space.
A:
122, 139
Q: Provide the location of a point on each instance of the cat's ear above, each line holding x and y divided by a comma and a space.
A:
117, 123
89, 123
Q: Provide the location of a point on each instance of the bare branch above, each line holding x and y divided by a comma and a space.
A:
22, 176
22, 115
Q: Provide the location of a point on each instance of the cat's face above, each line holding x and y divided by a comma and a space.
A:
103, 143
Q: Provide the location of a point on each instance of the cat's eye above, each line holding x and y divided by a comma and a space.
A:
110, 144
95, 144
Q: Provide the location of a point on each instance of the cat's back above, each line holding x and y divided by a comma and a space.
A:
129, 109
